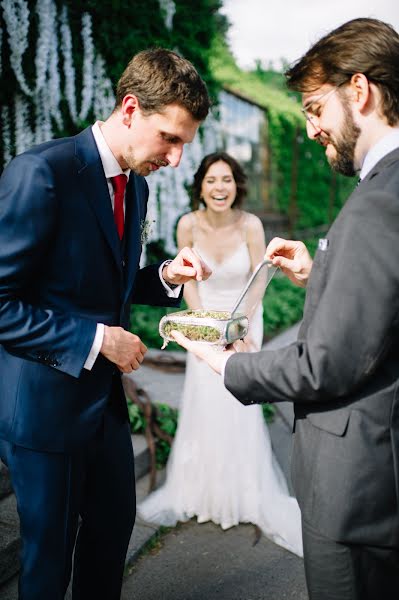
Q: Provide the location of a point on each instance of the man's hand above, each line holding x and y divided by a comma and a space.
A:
186, 266
123, 348
293, 259
216, 359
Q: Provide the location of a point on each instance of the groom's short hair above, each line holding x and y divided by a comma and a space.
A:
367, 46
158, 77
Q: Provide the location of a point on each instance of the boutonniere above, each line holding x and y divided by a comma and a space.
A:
145, 230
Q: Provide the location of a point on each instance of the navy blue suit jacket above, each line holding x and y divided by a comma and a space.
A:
62, 271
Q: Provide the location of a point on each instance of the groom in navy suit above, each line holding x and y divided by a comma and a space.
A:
69, 272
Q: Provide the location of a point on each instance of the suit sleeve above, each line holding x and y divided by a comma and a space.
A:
148, 289
28, 213
354, 323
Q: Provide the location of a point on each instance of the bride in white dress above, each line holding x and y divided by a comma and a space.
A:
221, 467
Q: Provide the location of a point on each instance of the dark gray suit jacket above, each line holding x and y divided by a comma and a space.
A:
343, 371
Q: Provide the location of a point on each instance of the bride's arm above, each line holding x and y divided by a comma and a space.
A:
185, 238
257, 247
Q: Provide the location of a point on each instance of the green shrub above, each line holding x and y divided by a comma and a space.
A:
269, 411
165, 417
282, 306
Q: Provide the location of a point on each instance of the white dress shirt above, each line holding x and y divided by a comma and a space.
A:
111, 169
386, 144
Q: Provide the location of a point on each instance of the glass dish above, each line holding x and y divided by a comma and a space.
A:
208, 326
220, 327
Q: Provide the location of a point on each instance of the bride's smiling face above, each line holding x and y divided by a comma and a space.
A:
218, 189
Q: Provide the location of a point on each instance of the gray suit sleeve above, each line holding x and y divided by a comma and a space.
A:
353, 300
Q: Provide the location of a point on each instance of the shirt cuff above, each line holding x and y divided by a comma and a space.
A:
172, 292
96, 347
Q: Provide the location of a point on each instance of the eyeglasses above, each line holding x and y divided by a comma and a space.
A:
314, 117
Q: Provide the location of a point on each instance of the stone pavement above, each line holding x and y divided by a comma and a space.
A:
202, 562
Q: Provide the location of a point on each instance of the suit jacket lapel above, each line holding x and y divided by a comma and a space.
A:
95, 186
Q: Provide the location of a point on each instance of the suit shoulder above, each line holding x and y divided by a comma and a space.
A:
45, 155
47, 149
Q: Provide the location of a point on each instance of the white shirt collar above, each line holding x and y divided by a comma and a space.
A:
388, 143
110, 164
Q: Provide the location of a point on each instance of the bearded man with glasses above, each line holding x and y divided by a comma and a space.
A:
342, 374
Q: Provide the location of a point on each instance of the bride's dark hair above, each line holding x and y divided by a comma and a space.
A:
239, 177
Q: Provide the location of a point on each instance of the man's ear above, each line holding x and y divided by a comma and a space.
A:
130, 106
360, 91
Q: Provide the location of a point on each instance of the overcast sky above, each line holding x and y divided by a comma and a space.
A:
272, 30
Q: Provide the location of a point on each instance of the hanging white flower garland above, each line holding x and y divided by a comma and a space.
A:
16, 17
103, 99
46, 93
46, 12
88, 67
23, 133
6, 130
169, 8
97, 94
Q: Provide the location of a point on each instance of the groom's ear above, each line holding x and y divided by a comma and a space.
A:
130, 108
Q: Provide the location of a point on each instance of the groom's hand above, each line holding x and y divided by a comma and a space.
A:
186, 266
216, 359
123, 348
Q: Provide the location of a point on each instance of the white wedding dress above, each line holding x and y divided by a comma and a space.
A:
221, 467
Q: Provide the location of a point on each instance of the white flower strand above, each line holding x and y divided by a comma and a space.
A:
54, 82
169, 8
88, 63
103, 98
16, 17
23, 131
69, 69
97, 92
46, 12
43, 127
5, 122
44, 104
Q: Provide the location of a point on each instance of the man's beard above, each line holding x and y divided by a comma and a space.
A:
143, 168
344, 160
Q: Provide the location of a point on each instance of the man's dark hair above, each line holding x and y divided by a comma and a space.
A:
239, 177
158, 77
366, 46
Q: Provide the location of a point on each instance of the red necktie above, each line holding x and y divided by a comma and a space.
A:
119, 184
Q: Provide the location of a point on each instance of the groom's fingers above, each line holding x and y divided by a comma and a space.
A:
192, 258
